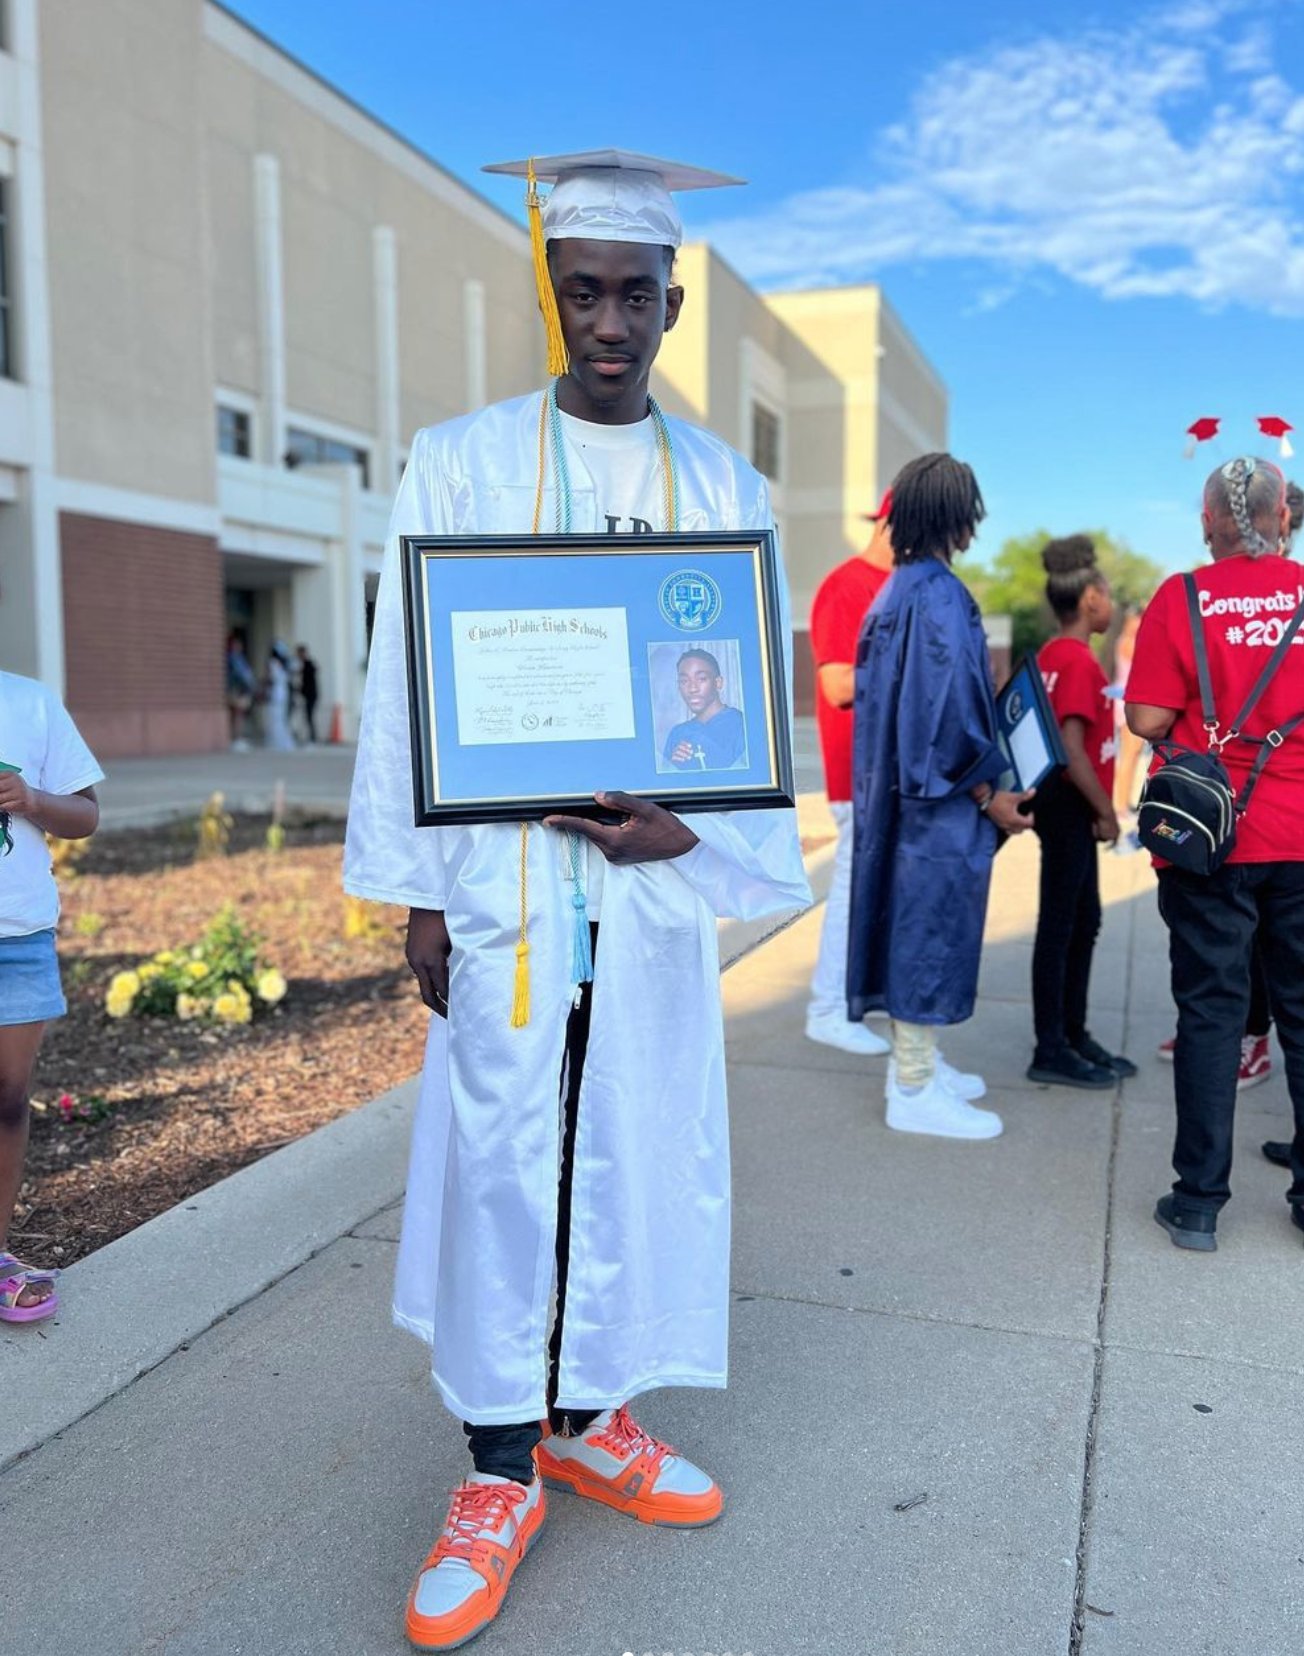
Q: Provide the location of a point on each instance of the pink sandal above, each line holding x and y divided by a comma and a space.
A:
15, 1280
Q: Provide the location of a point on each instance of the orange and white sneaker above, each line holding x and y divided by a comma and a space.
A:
491, 1525
616, 1462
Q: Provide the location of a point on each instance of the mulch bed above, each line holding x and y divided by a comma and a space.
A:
192, 1102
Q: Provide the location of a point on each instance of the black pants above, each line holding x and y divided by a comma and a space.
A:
1212, 923
1259, 1021
1068, 918
507, 1450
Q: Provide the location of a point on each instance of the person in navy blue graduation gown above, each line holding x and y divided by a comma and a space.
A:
928, 812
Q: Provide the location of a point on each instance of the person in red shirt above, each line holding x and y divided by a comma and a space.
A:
841, 605
1247, 598
1075, 812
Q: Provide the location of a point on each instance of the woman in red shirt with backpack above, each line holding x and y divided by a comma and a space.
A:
1246, 603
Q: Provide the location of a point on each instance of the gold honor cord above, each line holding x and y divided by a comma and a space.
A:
549, 419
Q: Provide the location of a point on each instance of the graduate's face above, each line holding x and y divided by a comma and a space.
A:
698, 685
616, 301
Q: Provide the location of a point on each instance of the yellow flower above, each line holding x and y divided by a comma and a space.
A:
149, 971
196, 969
231, 1009
164, 958
271, 986
118, 1002
125, 983
190, 1006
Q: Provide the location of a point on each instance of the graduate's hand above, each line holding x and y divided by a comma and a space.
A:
428, 949
1005, 813
16, 796
682, 754
649, 832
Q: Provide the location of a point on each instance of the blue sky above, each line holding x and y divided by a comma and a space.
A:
1089, 216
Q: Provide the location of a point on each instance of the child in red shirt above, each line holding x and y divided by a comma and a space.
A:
1074, 813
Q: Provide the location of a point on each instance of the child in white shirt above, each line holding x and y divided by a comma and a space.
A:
47, 785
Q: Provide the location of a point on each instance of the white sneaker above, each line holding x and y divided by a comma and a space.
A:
963, 1085
935, 1109
460, 1588
833, 1029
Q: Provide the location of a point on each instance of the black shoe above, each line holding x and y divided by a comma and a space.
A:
1187, 1227
1068, 1069
1277, 1152
1094, 1053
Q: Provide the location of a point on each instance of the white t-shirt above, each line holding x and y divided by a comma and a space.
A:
625, 469
37, 736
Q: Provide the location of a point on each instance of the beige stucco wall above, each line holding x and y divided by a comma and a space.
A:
127, 245
335, 191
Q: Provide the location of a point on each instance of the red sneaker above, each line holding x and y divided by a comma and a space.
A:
1165, 1049
1256, 1063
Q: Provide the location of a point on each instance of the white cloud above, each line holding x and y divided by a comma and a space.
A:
1163, 159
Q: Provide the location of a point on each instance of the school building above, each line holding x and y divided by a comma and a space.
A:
228, 295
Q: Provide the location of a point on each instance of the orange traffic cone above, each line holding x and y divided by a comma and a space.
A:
337, 725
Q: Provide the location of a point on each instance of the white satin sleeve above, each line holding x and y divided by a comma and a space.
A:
386, 857
748, 863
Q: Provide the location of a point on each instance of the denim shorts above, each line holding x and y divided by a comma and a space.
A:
30, 991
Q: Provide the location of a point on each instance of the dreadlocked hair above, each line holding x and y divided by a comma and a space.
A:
1295, 500
936, 505
1238, 498
1070, 565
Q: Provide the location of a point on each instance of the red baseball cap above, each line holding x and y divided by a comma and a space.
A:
884, 507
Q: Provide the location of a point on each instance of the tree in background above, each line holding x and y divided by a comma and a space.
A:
1014, 584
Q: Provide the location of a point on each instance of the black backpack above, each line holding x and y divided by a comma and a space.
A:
1188, 812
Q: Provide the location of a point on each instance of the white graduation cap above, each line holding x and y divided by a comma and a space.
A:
601, 195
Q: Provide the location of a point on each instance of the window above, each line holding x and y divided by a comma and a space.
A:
766, 432
234, 432
306, 448
7, 370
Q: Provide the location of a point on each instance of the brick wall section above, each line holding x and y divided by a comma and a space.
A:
144, 617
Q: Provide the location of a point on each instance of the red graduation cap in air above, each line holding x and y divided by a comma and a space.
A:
1272, 425
1200, 431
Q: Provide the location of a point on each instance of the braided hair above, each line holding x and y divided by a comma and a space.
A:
936, 505
1295, 501
1070, 565
1238, 497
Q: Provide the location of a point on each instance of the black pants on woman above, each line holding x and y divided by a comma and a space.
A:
507, 1451
1068, 918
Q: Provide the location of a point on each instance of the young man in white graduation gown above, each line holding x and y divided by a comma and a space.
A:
618, 1082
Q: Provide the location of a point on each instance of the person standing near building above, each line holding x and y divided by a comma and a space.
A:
47, 786
276, 700
241, 687
308, 691
1246, 599
841, 604
1074, 814
634, 1234
928, 813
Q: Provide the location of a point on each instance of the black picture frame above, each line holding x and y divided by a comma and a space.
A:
1024, 694
437, 574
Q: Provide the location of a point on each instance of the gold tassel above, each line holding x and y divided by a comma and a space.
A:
521, 989
558, 360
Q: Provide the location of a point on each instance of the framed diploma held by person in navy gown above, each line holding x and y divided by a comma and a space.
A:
545, 668
1027, 730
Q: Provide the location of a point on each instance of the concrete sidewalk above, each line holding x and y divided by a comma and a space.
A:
979, 1405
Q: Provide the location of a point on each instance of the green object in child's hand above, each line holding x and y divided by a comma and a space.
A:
6, 838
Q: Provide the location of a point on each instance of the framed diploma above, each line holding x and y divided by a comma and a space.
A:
542, 668
1027, 729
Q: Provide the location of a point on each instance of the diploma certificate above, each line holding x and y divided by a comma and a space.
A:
535, 675
1027, 730
543, 669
